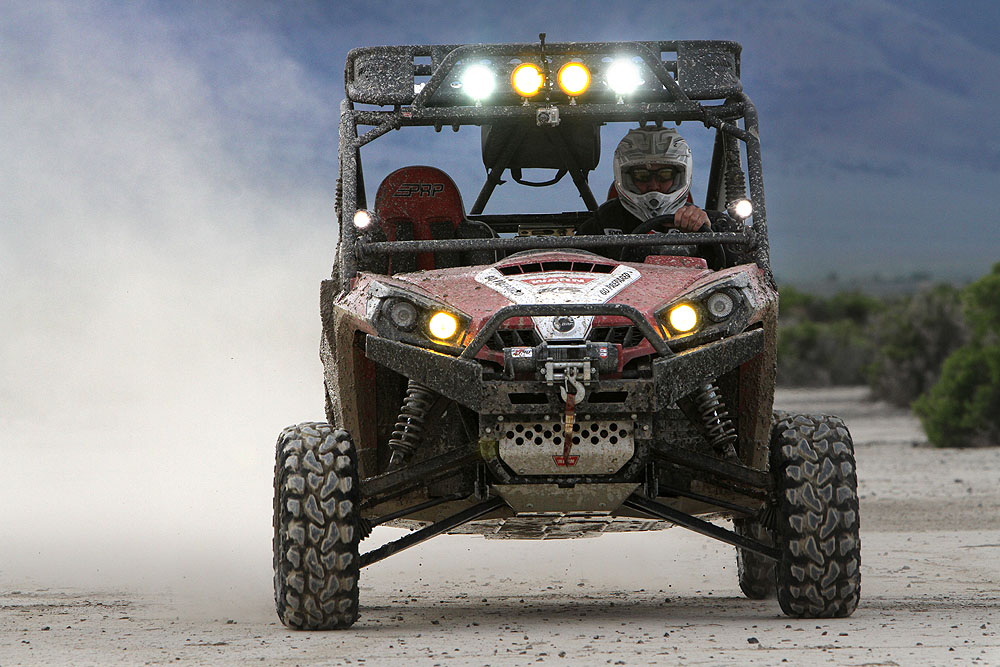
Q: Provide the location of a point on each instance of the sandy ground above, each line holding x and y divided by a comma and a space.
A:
196, 588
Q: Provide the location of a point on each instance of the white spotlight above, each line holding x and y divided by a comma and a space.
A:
362, 219
623, 77
741, 209
478, 81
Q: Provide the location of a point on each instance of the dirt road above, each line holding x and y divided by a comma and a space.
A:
930, 592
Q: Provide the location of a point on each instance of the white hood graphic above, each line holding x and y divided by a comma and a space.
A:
566, 287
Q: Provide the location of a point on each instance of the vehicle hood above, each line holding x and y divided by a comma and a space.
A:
564, 277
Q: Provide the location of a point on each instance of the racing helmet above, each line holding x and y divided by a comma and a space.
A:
652, 146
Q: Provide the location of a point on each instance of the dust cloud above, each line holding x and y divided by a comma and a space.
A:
159, 313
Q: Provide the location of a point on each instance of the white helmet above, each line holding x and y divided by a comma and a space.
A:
652, 146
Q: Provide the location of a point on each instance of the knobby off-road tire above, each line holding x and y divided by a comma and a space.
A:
316, 510
755, 572
816, 484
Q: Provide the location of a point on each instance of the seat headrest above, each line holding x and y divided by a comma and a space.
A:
421, 195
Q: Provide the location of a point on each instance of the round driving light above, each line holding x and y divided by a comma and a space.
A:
741, 209
362, 219
623, 77
527, 79
683, 318
403, 314
443, 325
573, 78
478, 81
720, 305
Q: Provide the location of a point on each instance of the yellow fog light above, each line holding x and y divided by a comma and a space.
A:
443, 325
683, 318
527, 79
574, 78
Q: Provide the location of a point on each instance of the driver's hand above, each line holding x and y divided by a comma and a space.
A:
690, 218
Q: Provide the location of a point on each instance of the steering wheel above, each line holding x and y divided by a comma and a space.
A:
715, 254
662, 223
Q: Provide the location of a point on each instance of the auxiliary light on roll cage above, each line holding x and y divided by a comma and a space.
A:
478, 82
740, 209
623, 77
573, 78
527, 79
362, 219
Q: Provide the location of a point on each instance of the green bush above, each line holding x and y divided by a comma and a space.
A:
823, 342
820, 354
963, 408
912, 338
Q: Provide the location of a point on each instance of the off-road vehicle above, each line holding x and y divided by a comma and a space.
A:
498, 374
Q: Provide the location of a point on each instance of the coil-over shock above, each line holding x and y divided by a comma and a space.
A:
409, 430
718, 425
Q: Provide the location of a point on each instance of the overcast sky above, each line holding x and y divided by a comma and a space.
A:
166, 203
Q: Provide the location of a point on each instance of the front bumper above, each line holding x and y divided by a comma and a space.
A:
673, 376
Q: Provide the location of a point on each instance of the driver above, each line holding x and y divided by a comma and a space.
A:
653, 177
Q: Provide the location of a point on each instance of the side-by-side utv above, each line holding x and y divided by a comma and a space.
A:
500, 374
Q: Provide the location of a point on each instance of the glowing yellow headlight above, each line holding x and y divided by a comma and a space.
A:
527, 79
443, 325
574, 78
683, 318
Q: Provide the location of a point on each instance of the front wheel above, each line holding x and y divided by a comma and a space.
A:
316, 512
816, 487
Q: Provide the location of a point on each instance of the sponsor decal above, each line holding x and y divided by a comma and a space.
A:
565, 461
547, 279
618, 282
560, 287
522, 352
602, 352
418, 190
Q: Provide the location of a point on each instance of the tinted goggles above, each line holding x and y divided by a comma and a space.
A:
644, 175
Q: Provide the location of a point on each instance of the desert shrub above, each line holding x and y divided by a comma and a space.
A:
912, 338
854, 306
824, 342
963, 408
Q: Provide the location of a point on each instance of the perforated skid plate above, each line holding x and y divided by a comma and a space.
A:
536, 448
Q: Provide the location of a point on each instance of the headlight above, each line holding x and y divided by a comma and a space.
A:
442, 325
527, 79
683, 318
708, 312
623, 77
403, 314
478, 81
720, 305
573, 78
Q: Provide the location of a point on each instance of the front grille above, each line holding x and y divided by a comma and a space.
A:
513, 338
627, 336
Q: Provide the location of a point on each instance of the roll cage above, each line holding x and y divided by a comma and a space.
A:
391, 87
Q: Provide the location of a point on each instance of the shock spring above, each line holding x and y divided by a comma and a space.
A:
718, 425
409, 429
